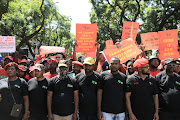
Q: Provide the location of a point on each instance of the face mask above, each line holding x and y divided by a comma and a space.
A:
63, 73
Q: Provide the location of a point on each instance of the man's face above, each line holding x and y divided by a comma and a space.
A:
130, 67
154, 63
21, 74
59, 57
114, 65
101, 57
6, 61
170, 67
39, 73
145, 70
46, 65
11, 71
76, 68
52, 65
88, 68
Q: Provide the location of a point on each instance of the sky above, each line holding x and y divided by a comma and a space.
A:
78, 10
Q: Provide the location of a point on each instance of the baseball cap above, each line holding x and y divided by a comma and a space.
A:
24, 60
140, 63
22, 67
63, 63
39, 67
11, 64
8, 57
168, 60
77, 63
89, 61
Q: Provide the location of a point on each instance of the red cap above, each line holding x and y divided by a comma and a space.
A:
53, 60
24, 60
8, 57
140, 63
77, 63
11, 64
22, 67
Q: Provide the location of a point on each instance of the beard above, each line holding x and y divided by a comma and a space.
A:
145, 73
153, 66
88, 71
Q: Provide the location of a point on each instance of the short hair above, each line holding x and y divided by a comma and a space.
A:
61, 54
115, 58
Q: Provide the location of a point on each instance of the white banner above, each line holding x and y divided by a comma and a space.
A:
7, 44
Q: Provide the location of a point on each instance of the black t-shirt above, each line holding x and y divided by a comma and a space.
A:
38, 97
63, 95
113, 97
169, 91
142, 91
19, 89
88, 86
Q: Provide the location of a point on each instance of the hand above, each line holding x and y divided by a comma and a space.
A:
25, 117
74, 117
156, 116
0, 97
97, 45
132, 117
100, 115
75, 44
50, 116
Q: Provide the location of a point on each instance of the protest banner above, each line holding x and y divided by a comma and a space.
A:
51, 49
7, 44
109, 43
86, 37
125, 50
150, 40
130, 30
168, 47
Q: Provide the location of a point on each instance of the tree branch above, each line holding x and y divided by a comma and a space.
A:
138, 12
27, 38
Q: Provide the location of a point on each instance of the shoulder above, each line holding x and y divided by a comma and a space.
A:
122, 75
131, 78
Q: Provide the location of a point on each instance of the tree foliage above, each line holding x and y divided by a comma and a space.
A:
35, 21
154, 15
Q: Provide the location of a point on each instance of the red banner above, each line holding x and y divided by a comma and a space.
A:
150, 40
125, 50
168, 46
130, 30
86, 37
109, 43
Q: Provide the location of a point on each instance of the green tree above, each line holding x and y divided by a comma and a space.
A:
31, 21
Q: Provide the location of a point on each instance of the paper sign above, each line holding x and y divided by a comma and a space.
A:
130, 30
125, 50
168, 46
150, 40
109, 43
51, 49
86, 37
7, 44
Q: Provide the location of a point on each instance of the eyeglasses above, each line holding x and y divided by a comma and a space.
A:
171, 65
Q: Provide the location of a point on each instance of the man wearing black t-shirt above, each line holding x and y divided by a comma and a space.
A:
13, 90
169, 92
62, 99
111, 93
37, 87
87, 82
142, 93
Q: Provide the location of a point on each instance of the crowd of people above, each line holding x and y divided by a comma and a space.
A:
90, 89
